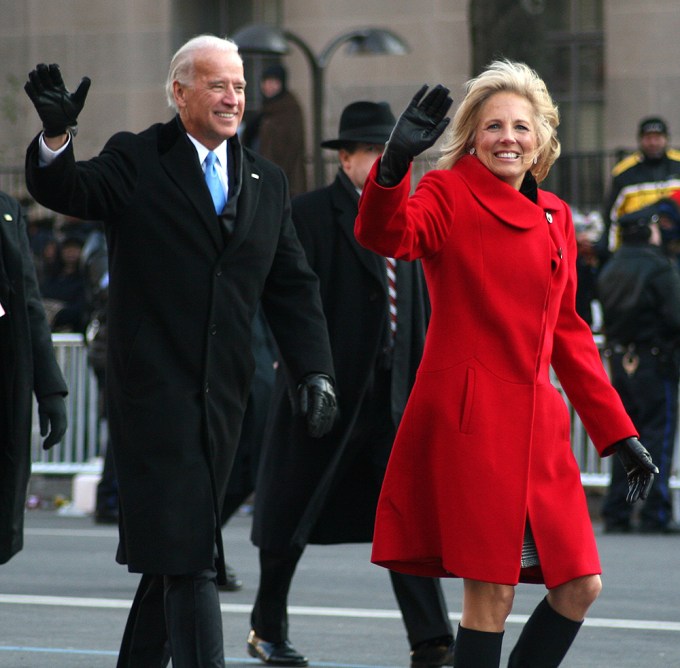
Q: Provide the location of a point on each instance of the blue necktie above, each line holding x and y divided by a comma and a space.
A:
214, 184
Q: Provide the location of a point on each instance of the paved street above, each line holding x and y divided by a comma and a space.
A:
63, 602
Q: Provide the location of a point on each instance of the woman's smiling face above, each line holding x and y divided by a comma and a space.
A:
505, 137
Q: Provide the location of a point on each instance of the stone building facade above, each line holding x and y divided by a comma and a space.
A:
125, 47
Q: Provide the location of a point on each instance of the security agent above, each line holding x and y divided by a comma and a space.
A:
27, 367
639, 289
641, 178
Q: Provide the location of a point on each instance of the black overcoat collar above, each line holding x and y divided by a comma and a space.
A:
179, 159
345, 201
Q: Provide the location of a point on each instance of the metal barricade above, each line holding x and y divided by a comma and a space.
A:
596, 471
86, 432
82, 444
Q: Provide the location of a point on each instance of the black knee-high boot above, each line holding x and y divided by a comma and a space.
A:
545, 639
477, 649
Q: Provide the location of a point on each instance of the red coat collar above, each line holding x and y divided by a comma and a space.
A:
502, 200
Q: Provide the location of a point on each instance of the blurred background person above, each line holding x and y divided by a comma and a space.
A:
589, 228
94, 263
63, 288
277, 132
639, 289
640, 179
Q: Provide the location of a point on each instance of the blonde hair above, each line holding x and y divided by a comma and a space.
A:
182, 63
508, 77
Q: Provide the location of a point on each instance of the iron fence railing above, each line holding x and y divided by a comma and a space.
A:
83, 445
85, 434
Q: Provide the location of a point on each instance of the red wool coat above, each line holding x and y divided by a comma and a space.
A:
484, 443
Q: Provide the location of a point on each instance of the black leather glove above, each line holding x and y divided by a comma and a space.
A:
418, 128
639, 466
52, 415
58, 109
317, 402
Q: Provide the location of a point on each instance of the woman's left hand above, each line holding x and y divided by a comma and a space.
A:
640, 468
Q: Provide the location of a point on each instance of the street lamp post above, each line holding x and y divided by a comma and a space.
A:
269, 40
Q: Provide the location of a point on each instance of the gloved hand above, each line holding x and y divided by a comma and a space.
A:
58, 109
52, 415
418, 128
317, 402
639, 466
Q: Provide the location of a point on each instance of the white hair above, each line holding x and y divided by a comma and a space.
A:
182, 63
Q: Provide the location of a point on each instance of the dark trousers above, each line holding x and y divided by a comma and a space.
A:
107, 488
174, 616
420, 600
650, 397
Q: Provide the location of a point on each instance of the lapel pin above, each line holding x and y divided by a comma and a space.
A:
7, 217
255, 176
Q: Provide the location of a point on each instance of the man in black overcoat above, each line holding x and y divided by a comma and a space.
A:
326, 491
198, 231
27, 367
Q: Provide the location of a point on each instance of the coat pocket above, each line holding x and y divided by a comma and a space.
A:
468, 402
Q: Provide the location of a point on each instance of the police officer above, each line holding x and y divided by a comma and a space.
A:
641, 178
639, 289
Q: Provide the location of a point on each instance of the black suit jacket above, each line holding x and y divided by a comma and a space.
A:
182, 297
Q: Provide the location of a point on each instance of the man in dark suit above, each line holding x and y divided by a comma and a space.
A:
190, 256
326, 492
27, 367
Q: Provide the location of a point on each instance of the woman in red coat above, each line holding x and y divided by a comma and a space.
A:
482, 483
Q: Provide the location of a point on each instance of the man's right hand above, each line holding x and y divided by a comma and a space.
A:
57, 107
318, 404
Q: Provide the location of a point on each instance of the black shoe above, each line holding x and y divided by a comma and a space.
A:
233, 583
274, 653
429, 654
672, 528
617, 527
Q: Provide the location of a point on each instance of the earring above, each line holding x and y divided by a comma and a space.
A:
472, 151
535, 160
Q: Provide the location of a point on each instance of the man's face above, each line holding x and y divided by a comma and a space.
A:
70, 253
270, 87
653, 144
211, 107
357, 164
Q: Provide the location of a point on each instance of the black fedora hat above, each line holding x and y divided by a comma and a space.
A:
366, 122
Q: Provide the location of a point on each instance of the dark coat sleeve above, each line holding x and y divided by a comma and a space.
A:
47, 376
292, 304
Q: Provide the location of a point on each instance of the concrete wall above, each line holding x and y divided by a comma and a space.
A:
642, 61
123, 46
436, 30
